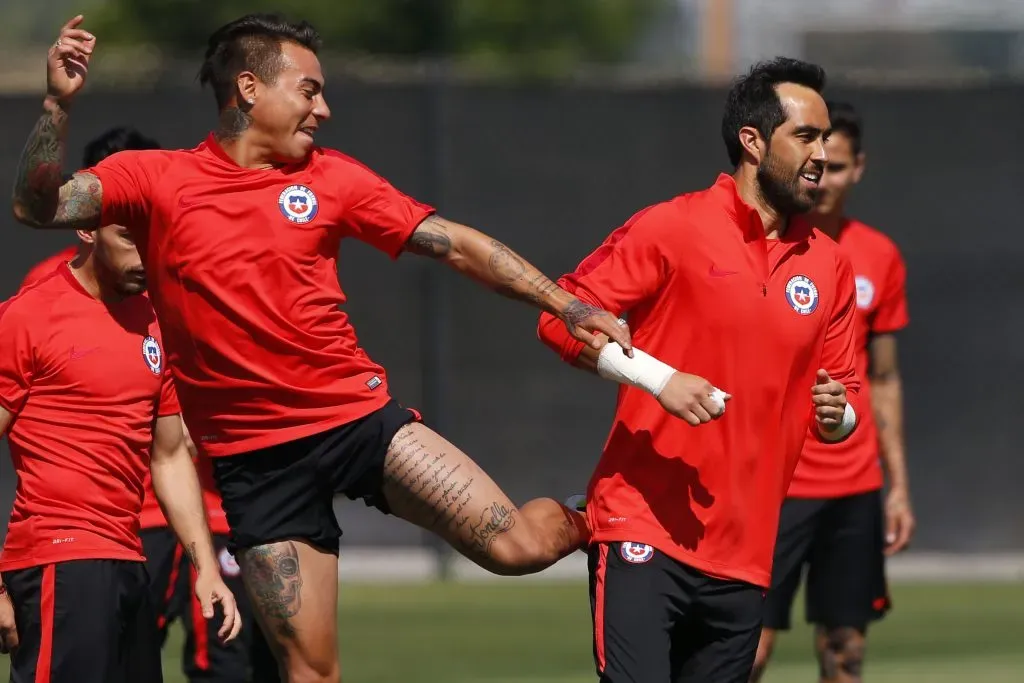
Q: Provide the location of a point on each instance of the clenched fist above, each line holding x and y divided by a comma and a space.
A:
829, 398
690, 397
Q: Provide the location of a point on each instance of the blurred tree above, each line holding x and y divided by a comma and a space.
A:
532, 35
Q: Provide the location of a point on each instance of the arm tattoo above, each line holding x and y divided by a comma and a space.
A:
81, 202
514, 280
274, 579
233, 122
578, 311
506, 266
38, 178
193, 555
430, 239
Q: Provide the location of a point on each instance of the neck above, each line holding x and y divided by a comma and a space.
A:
829, 223
750, 192
239, 141
85, 272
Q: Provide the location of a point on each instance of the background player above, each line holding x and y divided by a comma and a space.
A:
89, 406
832, 520
733, 285
170, 571
240, 237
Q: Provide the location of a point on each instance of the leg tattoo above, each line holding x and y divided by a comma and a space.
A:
274, 579
840, 654
437, 494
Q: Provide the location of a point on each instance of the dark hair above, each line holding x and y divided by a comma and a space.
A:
847, 121
113, 141
251, 43
754, 101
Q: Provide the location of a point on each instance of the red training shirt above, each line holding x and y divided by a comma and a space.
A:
852, 466
85, 382
46, 267
708, 294
242, 269
152, 517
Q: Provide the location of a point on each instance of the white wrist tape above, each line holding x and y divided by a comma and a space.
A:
845, 427
641, 371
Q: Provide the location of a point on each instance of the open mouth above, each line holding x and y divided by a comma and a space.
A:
308, 130
812, 177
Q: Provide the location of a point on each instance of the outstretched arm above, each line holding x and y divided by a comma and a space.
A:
494, 265
41, 197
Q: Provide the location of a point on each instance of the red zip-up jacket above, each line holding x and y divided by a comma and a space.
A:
707, 293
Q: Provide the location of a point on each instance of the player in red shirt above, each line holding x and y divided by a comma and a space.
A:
240, 238
833, 524
735, 288
171, 574
89, 406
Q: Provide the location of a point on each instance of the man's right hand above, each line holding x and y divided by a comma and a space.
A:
8, 629
67, 61
689, 397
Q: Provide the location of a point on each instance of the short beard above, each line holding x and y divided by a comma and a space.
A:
779, 193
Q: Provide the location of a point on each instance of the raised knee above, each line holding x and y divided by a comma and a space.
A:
322, 671
765, 647
516, 555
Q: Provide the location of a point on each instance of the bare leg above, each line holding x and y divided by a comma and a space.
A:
765, 646
840, 653
431, 483
293, 588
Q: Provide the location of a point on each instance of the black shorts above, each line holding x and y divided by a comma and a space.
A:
287, 491
205, 658
841, 542
84, 621
657, 620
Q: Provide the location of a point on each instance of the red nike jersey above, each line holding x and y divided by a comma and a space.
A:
85, 382
853, 466
707, 293
242, 269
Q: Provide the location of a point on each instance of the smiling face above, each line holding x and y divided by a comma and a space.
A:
794, 159
288, 111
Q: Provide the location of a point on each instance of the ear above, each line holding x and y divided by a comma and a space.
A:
859, 165
247, 85
753, 144
87, 236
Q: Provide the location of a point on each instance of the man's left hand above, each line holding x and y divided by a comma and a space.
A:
899, 520
584, 320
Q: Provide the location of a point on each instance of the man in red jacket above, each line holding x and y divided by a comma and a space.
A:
732, 285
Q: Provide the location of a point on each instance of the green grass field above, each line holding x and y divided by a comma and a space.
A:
518, 632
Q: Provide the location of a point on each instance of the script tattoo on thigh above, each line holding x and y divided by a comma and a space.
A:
274, 578
440, 499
